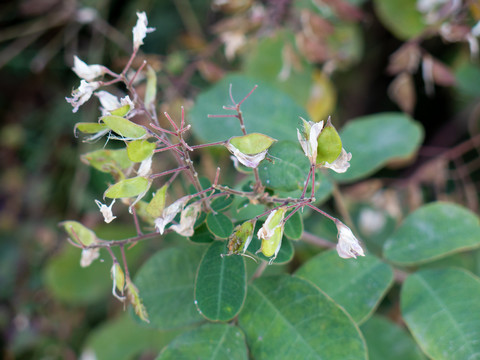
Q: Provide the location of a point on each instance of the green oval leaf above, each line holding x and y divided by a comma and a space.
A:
219, 225
208, 342
202, 235
294, 227
107, 160
358, 285
286, 317
139, 150
72, 284
222, 203
377, 139
128, 188
441, 309
252, 144
387, 340
166, 284
124, 127
401, 17
221, 284
431, 232
124, 339
276, 117
289, 168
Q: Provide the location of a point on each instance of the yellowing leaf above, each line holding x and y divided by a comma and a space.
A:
121, 111
252, 144
128, 188
136, 301
139, 150
90, 128
79, 233
323, 97
124, 127
157, 204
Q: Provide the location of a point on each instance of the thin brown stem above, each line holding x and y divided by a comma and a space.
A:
181, 168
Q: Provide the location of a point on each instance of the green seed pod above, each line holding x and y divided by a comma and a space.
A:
329, 145
271, 246
241, 237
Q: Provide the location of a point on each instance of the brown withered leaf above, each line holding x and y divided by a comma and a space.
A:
314, 49
344, 10
406, 58
402, 92
210, 71
442, 75
315, 25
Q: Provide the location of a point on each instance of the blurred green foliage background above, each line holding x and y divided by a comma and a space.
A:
43, 315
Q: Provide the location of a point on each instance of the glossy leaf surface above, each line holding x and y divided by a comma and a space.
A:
287, 317
433, 231
221, 284
442, 311
166, 284
208, 342
358, 285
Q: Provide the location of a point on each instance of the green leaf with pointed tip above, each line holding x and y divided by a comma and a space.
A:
387, 340
252, 144
139, 150
294, 227
124, 339
329, 145
90, 128
219, 225
375, 140
79, 233
431, 232
107, 160
128, 188
401, 17
276, 117
441, 309
124, 127
72, 284
157, 204
208, 342
166, 284
358, 285
221, 284
286, 317
289, 168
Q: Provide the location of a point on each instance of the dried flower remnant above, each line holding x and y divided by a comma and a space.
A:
89, 256
140, 30
348, 246
106, 211
81, 95
87, 72
169, 214
187, 220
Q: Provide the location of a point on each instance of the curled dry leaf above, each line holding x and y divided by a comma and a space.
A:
402, 92
405, 59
